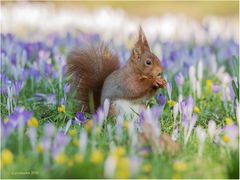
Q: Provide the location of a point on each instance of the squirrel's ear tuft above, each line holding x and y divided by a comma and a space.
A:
142, 42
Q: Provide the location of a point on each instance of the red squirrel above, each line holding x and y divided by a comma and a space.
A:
96, 75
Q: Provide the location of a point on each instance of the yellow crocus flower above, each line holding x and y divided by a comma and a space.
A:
96, 157
61, 109
33, 122
6, 157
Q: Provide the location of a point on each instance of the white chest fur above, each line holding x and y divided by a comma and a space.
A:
126, 107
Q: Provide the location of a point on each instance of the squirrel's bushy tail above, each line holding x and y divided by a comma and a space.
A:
88, 68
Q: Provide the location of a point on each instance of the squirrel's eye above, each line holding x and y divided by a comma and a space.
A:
148, 62
160, 74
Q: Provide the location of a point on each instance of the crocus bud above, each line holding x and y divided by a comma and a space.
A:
161, 99
169, 90
66, 88
201, 136
106, 106
211, 128
49, 130
179, 79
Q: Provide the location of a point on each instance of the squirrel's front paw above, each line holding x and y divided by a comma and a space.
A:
159, 82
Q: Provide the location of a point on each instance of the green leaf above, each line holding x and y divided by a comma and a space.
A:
235, 89
236, 67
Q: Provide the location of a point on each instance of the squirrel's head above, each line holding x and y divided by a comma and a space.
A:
147, 63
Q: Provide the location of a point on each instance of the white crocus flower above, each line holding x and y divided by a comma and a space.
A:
169, 90
175, 112
106, 106
200, 70
201, 136
110, 166
83, 141
68, 125
192, 79
211, 129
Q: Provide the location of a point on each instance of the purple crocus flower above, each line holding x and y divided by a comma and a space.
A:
31, 72
232, 94
60, 142
190, 101
13, 59
19, 114
34, 73
18, 85
4, 80
231, 131
183, 108
62, 101
184, 121
161, 99
46, 98
141, 118
62, 139
48, 69
6, 129
51, 99
179, 79
55, 74
189, 128
46, 143
216, 88
3, 52
66, 88
189, 106
99, 116
43, 55
80, 117
156, 111
49, 130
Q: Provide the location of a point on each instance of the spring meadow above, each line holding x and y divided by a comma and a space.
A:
190, 128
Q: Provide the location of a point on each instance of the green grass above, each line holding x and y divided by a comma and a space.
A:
216, 161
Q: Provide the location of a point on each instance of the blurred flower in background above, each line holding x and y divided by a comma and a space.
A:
170, 21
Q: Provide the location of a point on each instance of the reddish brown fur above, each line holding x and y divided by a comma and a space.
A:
96, 70
89, 68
